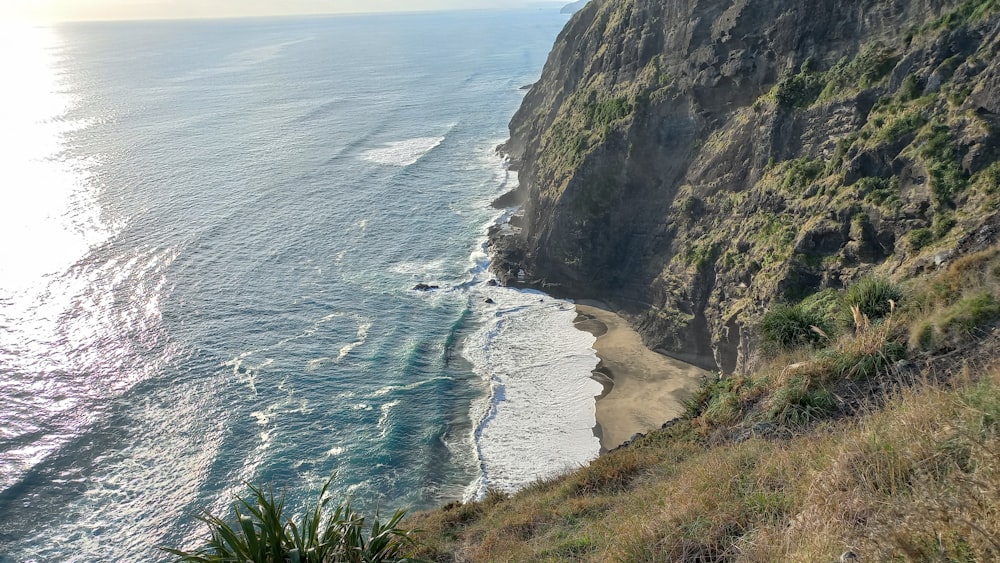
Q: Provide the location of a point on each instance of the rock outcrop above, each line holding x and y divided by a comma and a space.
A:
692, 162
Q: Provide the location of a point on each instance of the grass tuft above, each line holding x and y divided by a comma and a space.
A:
874, 297
790, 326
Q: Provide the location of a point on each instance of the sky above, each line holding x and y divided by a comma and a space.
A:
73, 10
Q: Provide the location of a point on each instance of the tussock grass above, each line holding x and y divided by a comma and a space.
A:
787, 326
874, 297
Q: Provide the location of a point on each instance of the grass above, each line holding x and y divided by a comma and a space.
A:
918, 480
263, 534
788, 326
766, 466
920, 477
874, 297
959, 305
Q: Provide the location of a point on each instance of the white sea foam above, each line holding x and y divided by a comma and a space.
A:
383, 420
361, 336
402, 153
539, 418
389, 389
422, 271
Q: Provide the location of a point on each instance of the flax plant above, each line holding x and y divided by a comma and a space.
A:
263, 534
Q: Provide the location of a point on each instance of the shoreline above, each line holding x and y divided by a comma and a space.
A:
642, 388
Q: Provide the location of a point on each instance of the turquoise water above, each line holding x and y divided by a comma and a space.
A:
211, 235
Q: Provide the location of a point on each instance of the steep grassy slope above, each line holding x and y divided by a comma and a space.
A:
882, 440
695, 162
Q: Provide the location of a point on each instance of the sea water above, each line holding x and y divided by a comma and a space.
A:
211, 235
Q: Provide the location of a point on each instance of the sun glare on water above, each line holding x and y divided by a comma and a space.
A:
47, 218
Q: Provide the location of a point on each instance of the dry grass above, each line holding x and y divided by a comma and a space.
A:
767, 467
919, 480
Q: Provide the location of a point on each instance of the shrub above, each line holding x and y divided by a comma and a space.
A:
690, 206
881, 191
919, 238
873, 296
940, 155
943, 223
872, 63
911, 88
799, 90
264, 535
605, 112
789, 326
900, 126
801, 172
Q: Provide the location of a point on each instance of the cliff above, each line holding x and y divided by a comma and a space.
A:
693, 162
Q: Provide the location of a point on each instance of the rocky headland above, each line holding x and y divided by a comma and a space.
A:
693, 162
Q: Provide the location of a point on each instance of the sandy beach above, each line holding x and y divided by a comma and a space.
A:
643, 389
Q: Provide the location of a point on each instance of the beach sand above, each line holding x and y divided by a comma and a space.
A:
642, 389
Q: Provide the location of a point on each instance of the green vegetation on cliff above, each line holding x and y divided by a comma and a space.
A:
697, 163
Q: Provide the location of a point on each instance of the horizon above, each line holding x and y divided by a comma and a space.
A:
70, 11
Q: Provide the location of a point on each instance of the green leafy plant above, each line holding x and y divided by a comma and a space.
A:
263, 534
919, 238
799, 90
940, 155
801, 172
911, 88
881, 191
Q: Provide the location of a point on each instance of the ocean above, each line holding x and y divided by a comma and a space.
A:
211, 235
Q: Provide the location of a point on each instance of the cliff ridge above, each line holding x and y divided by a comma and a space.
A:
693, 162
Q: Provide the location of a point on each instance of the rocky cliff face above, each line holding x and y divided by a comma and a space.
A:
691, 162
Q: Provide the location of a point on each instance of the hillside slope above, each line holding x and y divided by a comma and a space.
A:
693, 162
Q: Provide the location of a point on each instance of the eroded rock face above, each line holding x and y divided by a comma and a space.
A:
693, 161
